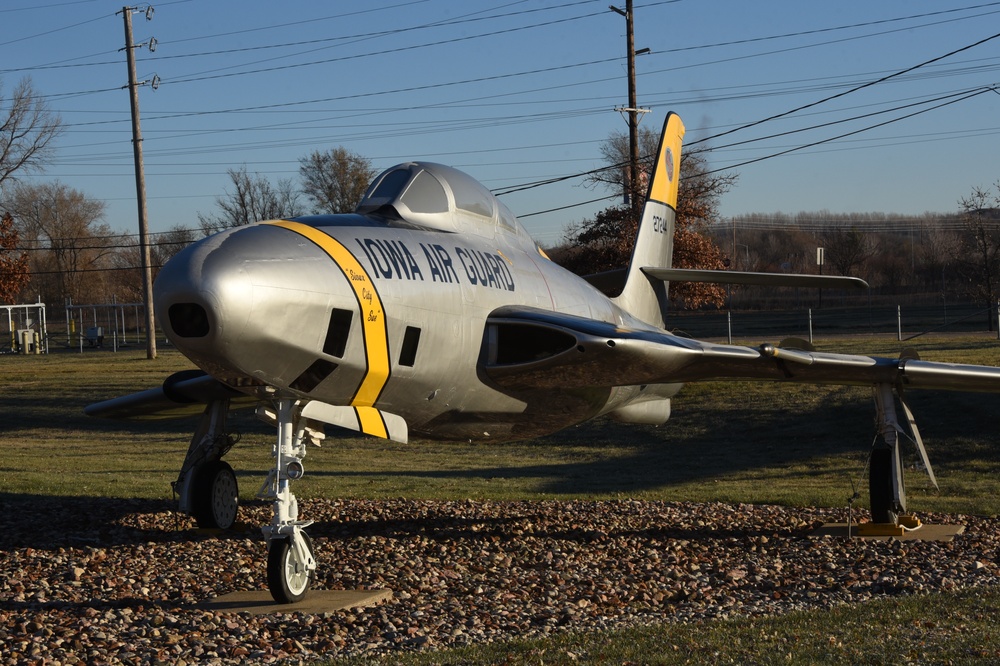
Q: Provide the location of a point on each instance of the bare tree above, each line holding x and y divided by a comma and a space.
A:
932, 253
13, 262
69, 245
169, 243
979, 261
335, 180
252, 199
615, 152
848, 249
27, 129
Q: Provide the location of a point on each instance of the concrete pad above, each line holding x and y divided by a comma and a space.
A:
924, 533
259, 602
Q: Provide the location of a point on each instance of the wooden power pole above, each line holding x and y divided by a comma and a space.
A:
634, 194
140, 182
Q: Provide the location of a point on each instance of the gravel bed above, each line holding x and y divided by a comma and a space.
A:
117, 581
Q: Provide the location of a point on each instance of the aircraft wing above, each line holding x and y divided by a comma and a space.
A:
183, 393
527, 348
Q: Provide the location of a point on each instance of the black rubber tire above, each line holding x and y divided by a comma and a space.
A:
215, 497
880, 491
285, 586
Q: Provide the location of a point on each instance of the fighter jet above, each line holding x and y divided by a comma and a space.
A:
431, 312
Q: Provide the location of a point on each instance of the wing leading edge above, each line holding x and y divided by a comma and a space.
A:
526, 348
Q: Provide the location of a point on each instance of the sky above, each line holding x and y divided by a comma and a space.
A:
854, 106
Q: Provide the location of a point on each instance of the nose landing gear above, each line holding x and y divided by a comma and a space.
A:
291, 566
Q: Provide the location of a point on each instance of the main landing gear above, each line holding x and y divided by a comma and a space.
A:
207, 485
887, 494
209, 492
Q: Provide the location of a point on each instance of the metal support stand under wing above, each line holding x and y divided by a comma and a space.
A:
885, 472
886, 490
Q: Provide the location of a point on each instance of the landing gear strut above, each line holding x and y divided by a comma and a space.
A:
291, 565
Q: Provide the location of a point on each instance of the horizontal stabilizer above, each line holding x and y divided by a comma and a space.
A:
183, 394
747, 277
368, 420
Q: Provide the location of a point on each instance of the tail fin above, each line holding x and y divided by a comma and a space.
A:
645, 296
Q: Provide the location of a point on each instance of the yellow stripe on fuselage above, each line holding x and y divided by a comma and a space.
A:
373, 325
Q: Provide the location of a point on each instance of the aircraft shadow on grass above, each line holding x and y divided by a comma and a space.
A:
702, 443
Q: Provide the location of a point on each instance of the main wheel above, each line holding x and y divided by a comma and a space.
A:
288, 578
215, 499
880, 487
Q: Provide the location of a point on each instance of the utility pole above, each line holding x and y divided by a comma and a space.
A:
140, 178
633, 110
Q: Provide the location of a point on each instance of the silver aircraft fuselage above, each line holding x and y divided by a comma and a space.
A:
375, 310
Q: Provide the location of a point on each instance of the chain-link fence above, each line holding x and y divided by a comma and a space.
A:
902, 321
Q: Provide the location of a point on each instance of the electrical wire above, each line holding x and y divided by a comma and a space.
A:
847, 134
746, 126
515, 188
850, 91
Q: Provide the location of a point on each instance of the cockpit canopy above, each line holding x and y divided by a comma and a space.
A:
439, 197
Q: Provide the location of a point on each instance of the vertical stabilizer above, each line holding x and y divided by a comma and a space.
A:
646, 297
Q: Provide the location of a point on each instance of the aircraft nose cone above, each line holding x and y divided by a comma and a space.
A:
203, 294
253, 301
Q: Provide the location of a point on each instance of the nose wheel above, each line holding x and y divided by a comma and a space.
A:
288, 568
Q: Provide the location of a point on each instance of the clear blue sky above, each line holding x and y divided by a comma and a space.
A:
516, 92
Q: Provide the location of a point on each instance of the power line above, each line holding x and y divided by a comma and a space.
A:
341, 98
401, 49
964, 94
854, 89
847, 134
850, 91
850, 26
8, 42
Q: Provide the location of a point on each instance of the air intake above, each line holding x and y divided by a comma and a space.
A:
188, 320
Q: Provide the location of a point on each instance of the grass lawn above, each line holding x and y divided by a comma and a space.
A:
736, 441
